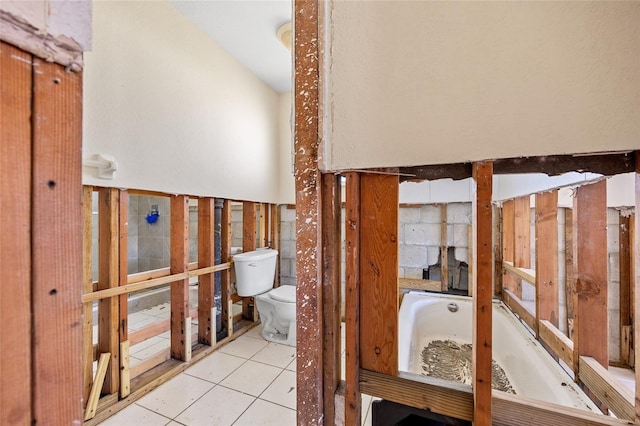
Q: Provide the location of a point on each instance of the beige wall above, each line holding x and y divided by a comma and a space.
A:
177, 112
419, 82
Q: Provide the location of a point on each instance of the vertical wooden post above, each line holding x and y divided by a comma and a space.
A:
56, 237
123, 303
15, 250
353, 401
625, 286
248, 244
263, 235
180, 320
275, 237
590, 260
206, 257
108, 276
444, 251
225, 235
510, 281
379, 273
483, 293
498, 270
546, 223
87, 287
636, 286
331, 250
570, 279
632, 290
522, 247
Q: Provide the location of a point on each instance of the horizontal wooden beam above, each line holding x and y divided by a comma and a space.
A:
524, 273
418, 284
560, 344
518, 308
617, 397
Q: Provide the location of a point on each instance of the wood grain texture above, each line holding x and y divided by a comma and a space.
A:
123, 265
625, 286
206, 257
57, 244
87, 287
249, 235
508, 230
590, 241
482, 293
353, 403
546, 267
635, 253
517, 307
15, 227
225, 243
379, 273
444, 252
570, 280
522, 222
274, 225
607, 388
180, 340
554, 339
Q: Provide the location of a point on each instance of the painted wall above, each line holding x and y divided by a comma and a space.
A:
287, 182
178, 113
416, 82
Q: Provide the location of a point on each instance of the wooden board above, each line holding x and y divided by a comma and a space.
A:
498, 271
56, 244
249, 236
206, 257
180, 339
15, 226
331, 261
225, 243
125, 372
570, 281
515, 304
590, 241
607, 388
108, 276
87, 287
625, 286
444, 252
353, 403
546, 267
508, 230
482, 293
635, 285
275, 237
554, 339
418, 284
522, 222
94, 396
379, 273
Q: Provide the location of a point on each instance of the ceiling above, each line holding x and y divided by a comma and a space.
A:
247, 30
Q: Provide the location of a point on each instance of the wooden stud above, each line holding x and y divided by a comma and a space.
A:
352, 300
125, 372
180, 322
263, 235
498, 271
123, 308
632, 295
518, 308
546, 226
225, 242
483, 293
625, 286
108, 276
607, 388
15, 226
555, 340
206, 257
275, 237
378, 259
87, 287
508, 242
590, 260
635, 251
101, 372
248, 244
522, 247
444, 254
331, 251
570, 281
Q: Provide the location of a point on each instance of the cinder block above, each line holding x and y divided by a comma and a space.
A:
462, 254
433, 255
409, 215
613, 295
285, 231
285, 268
528, 291
431, 214
413, 273
422, 234
287, 214
614, 267
288, 250
460, 235
613, 238
413, 256
613, 216
459, 213
614, 335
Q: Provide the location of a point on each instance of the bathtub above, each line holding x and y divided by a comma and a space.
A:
425, 317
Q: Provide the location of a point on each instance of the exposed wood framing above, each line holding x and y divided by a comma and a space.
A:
353, 403
225, 236
108, 276
546, 267
522, 247
515, 304
206, 257
510, 281
274, 242
635, 252
590, 260
556, 341
123, 300
444, 254
94, 396
607, 388
15, 250
498, 271
263, 235
378, 260
483, 293
87, 287
331, 251
625, 287
249, 218
570, 279
180, 320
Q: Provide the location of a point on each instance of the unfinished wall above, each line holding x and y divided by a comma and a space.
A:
287, 245
412, 83
177, 112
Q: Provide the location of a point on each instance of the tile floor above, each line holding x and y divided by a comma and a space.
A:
249, 382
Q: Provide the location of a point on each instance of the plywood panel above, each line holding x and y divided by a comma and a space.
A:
180, 324
57, 244
482, 293
206, 257
15, 250
547, 256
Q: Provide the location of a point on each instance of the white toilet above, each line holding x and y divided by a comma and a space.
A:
255, 272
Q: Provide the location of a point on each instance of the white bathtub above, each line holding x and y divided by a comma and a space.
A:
531, 371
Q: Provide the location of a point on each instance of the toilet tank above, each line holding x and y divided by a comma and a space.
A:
255, 271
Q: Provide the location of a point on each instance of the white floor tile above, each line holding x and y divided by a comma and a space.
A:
158, 346
255, 332
176, 395
293, 365
145, 344
276, 354
218, 407
244, 347
135, 415
283, 390
253, 378
215, 367
265, 413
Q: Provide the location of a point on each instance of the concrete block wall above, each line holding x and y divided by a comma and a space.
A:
287, 245
613, 264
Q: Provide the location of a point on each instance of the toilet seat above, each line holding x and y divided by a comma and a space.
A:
284, 293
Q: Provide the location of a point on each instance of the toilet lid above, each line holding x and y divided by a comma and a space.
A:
284, 293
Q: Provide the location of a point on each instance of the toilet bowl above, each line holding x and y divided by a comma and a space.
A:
255, 272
